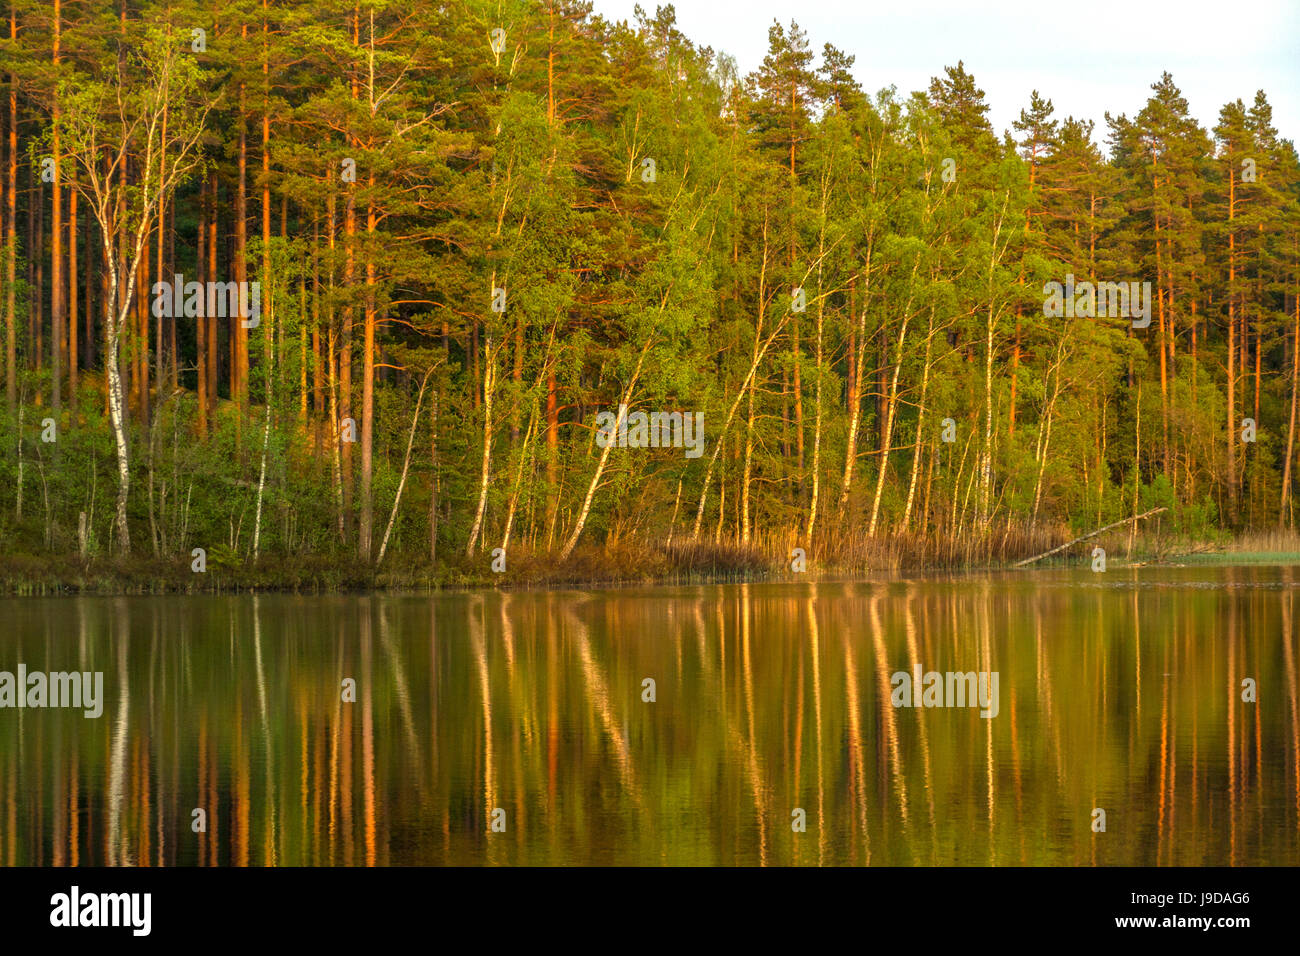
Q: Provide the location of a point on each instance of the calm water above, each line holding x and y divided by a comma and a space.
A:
1119, 691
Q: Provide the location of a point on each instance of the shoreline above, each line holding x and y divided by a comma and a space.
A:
69, 575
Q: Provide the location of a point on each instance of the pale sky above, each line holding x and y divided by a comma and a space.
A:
1086, 57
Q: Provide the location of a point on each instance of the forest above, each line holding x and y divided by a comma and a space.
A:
323, 292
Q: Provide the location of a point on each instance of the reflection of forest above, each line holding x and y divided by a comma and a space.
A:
1119, 695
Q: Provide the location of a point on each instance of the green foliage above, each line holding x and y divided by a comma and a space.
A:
830, 277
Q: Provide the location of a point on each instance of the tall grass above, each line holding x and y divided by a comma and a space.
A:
769, 556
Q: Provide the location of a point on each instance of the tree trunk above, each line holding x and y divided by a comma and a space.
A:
239, 334
214, 330
268, 314
891, 406
11, 235
519, 477
345, 357
56, 233
817, 396
112, 334
624, 402
406, 464
201, 323
368, 390
855, 392
485, 471
72, 299
920, 425
1290, 431
552, 458
1231, 433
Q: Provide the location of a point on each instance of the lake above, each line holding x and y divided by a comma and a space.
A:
517, 727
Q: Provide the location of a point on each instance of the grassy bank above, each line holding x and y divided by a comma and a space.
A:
69, 574
664, 563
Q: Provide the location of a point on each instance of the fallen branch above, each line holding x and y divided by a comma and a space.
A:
1090, 534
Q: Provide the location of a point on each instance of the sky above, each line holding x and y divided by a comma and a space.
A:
1087, 58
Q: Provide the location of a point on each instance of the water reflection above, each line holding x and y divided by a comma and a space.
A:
1122, 693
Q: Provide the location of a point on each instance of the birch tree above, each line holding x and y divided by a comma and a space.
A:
128, 160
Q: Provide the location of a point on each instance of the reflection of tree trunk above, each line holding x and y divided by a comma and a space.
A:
201, 758
118, 746
815, 655
269, 751
598, 698
1291, 670
748, 742
335, 726
887, 712
914, 660
367, 735
485, 695
990, 774
1234, 755
857, 749
346, 735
